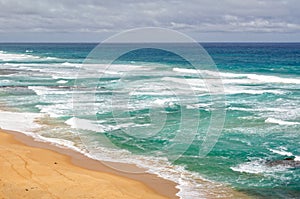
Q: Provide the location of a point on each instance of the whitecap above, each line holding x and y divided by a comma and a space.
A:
281, 152
241, 77
93, 125
62, 82
4, 56
280, 122
84, 124
258, 167
77, 65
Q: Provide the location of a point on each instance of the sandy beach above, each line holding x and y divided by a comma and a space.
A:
39, 171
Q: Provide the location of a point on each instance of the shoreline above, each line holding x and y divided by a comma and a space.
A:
153, 185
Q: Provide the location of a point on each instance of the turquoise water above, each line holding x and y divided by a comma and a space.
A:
133, 118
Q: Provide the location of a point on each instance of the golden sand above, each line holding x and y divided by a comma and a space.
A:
31, 172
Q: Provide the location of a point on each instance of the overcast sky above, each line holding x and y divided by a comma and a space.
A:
204, 20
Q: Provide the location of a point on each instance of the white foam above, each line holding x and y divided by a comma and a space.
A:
43, 90
72, 64
238, 90
239, 109
185, 70
273, 79
188, 182
58, 142
250, 77
191, 81
64, 76
84, 124
56, 110
4, 56
257, 109
25, 122
90, 125
152, 93
65, 106
42, 66
114, 69
40, 90
197, 84
280, 122
258, 167
15, 121
62, 82
10, 65
97, 70
281, 152
200, 105
50, 58
165, 102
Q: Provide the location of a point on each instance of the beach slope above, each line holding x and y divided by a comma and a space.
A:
29, 172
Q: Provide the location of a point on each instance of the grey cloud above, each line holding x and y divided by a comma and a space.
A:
111, 16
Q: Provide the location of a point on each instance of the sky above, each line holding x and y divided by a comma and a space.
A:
203, 20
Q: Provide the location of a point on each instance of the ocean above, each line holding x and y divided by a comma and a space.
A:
150, 107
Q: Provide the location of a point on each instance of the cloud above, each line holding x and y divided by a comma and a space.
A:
59, 16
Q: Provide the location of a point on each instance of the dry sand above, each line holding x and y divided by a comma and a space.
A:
40, 172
